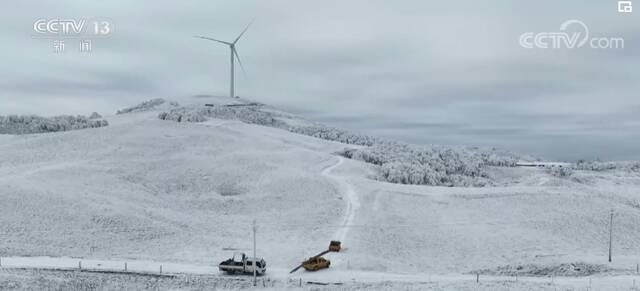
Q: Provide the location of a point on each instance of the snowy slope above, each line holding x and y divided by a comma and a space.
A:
150, 189
146, 188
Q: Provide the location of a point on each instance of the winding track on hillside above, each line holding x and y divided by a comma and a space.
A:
351, 197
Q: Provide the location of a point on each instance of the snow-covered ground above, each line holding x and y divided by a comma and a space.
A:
70, 278
184, 195
83, 274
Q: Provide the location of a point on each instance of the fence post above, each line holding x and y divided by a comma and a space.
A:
80, 265
477, 277
160, 269
125, 266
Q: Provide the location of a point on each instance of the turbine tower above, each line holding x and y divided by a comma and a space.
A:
234, 54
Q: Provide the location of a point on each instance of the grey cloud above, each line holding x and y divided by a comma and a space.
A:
97, 83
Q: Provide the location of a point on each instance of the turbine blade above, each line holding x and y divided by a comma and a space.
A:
235, 52
245, 30
208, 38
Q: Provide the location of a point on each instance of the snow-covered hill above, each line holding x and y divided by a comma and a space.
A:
150, 189
396, 162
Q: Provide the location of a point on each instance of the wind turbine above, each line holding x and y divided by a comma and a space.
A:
234, 53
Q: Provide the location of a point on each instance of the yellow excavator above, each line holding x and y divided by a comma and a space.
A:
317, 262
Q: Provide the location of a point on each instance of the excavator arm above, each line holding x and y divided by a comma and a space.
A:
318, 255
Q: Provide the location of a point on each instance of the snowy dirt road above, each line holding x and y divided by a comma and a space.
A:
134, 266
351, 197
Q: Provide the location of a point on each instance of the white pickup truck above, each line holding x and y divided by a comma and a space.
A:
240, 263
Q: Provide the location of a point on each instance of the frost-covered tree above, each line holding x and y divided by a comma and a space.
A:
250, 114
27, 124
599, 166
334, 134
95, 115
560, 172
147, 105
409, 164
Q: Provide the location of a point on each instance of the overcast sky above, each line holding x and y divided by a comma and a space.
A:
427, 72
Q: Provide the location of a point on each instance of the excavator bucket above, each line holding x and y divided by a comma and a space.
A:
334, 246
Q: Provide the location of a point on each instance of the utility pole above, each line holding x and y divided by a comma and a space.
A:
610, 233
255, 259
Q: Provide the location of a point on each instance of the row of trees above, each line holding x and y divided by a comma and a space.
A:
248, 114
27, 124
408, 164
599, 166
334, 134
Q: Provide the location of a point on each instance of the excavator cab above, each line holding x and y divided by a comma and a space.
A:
316, 263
